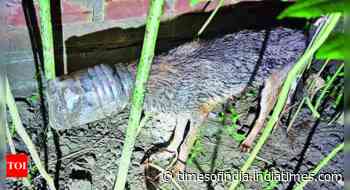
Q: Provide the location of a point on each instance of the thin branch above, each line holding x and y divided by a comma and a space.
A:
221, 2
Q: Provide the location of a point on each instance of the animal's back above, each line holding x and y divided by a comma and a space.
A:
191, 78
198, 75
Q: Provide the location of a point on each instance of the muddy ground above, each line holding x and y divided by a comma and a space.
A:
87, 158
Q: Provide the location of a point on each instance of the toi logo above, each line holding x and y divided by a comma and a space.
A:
16, 165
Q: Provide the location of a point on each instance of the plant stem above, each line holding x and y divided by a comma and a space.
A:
312, 108
295, 71
143, 69
296, 114
328, 86
25, 137
304, 98
47, 38
221, 2
26, 181
320, 165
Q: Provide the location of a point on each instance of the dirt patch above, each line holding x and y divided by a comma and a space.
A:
87, 158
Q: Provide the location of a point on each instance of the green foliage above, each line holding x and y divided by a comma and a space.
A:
338, 99
312, 108
47, 38
34, 98
252, 93
197, 149
195, 2
314, 8
33, 170
333, 48
13, 129
231, 130
329, 83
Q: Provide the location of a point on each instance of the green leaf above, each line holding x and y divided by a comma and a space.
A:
333, 48
314, 8
195, 2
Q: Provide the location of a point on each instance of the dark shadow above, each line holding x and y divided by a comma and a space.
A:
206, 6
208, 183
307, 145
56, 12
261, 55
81, 175
36, 44
34, 34
218, 137
256, 69
58, 156
115, 45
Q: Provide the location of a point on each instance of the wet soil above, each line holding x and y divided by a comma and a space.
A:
87, 158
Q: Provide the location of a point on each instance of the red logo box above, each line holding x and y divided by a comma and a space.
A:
16, 165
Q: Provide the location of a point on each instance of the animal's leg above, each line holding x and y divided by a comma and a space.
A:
268, 99
179, 133
167, 157
186, 147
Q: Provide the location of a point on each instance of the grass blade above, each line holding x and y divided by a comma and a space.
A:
11, 104
221, 2
47, 38
328, 86
142, 73
320, 165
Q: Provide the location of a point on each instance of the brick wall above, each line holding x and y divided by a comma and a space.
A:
89, 32
78, 17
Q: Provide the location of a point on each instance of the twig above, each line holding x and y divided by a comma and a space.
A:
340, 114
78, 152
25, 137
142, 73
221, 2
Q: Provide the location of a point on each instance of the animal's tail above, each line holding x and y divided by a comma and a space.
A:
88, 95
